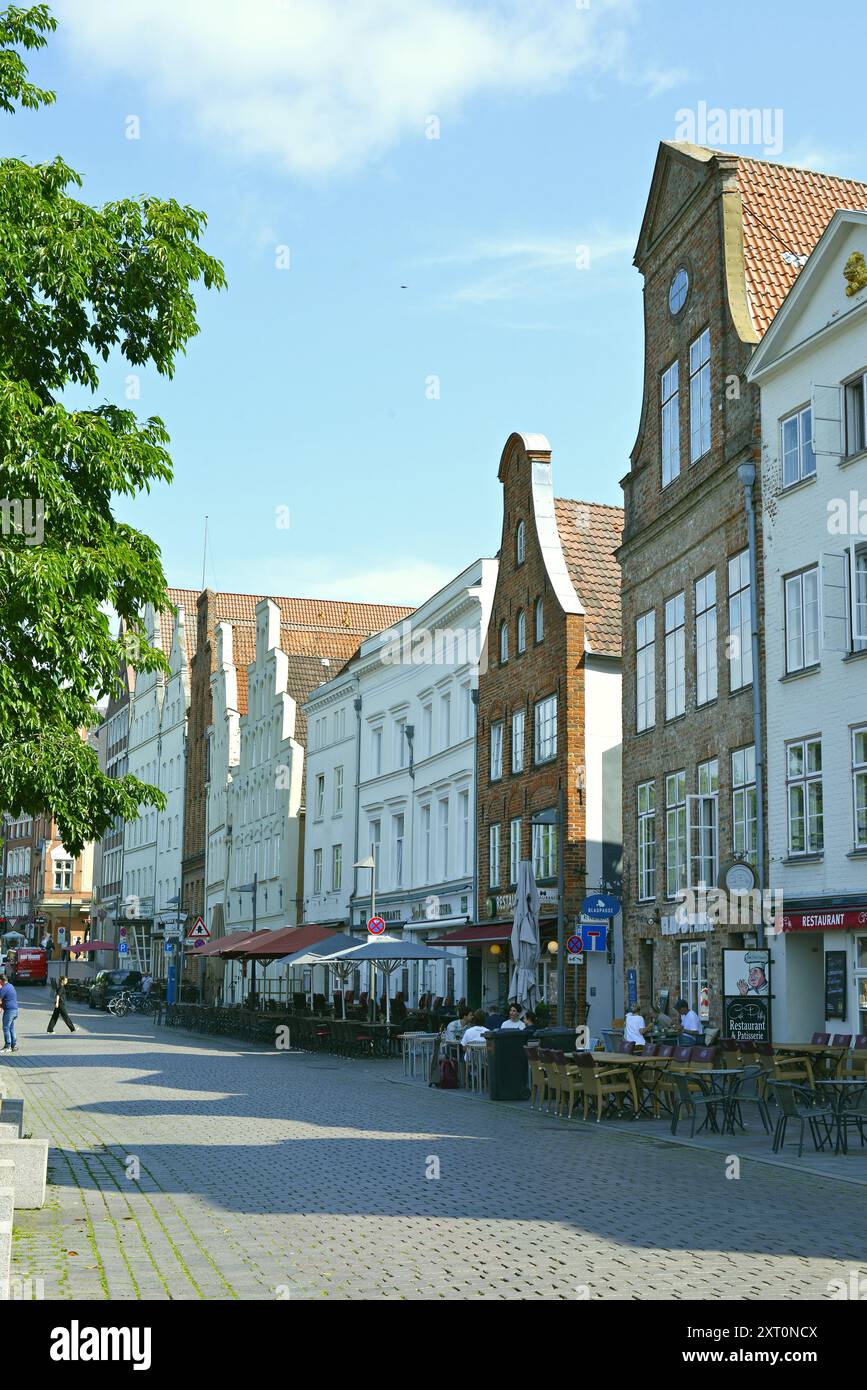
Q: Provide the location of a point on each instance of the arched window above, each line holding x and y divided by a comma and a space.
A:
519, 544
522, 632
504, 643
540, 620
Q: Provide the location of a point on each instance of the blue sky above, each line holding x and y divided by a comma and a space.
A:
304, 124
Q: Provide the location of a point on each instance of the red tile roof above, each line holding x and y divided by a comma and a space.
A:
179, 598
590, 533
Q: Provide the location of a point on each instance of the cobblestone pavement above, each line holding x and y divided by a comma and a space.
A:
193, 1169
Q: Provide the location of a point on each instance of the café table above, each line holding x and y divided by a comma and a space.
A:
721, 1081
821, 1054
640, 1064
845, 1091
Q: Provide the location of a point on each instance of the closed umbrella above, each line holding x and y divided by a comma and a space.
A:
524, 940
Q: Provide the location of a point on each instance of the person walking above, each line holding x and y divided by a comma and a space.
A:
60, 1007
9, 1005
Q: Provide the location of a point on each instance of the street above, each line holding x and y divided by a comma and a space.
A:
185, 1168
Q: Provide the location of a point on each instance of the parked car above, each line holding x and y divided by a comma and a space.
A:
27, 965
108, 983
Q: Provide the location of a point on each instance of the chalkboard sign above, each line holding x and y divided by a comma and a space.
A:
835, 984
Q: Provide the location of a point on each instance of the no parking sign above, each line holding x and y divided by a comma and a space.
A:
376, 926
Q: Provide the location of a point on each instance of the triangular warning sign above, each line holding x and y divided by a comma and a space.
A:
198, 931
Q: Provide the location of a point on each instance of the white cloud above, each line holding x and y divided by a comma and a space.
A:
322, 86
511, 268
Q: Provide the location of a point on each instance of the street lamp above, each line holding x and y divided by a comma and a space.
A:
254, 889
370, 863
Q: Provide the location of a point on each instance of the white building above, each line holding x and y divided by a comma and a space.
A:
812, 370
391, 772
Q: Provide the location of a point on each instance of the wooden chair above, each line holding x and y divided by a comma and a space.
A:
703, 1058
554, 1070
538, 1077
820, 1039
798, 1069
603, 1084
858, 1056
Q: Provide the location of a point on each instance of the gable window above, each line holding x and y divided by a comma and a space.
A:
494, 856
856, 435
545, 734
645, 671
705, 639
504, 643
521, 641
799, 461
699, 396
740, 629
804, 796
675, 658
62, 875
496, 750
518, 741
646, 841
802, 619
540, 620
859, 784
519, 544
670, 424
675, 833
744, 803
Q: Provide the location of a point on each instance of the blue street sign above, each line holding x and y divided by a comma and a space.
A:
600, 906
595, 936
123, 948
169, 947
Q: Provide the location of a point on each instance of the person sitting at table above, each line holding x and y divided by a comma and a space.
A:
530, 1024
494, 1018
455, 1030
477, 1030
634, 1026
690, 1023
514, 1020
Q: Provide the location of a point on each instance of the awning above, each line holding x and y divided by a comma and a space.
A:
218, 944
85, 947
269, 945
475, 936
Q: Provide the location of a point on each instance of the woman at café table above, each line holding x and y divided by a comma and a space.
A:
514, 1020
634, 1026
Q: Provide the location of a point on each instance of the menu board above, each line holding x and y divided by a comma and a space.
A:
835, 984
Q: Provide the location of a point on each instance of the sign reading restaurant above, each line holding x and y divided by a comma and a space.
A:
505, 902
837, 919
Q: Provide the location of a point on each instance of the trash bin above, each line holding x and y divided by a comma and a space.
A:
507, 1065
559, 1039
613, 1039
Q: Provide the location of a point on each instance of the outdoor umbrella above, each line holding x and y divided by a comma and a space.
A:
319, 953
525, 938
85, 947
387, 955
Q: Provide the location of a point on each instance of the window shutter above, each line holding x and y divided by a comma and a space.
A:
834, 599
827, 417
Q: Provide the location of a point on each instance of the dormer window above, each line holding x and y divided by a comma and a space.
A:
504, 643
519, 544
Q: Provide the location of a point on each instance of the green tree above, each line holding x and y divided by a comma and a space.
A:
77, 284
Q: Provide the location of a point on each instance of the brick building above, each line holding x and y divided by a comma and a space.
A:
549, 726
722, 241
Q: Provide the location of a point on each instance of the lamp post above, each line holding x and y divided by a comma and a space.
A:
254, 889
370, 863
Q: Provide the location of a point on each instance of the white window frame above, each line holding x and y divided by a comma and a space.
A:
699, 397
319, 807
675, 656
496, 750
445, 719
317, 872
504, 643
519, 720
646, 811
521, 633
798, 425
859, 784
645, 671
806, 781
375, 750
669, 423
443, 833
494, 855
694, 985
544, 850
744, 811
855, 414
338, 790
539, 619
802, 643
520, 543
706, 676
336, 868
464, 799
545, 730
676, 836
740, 637
426, 842
398, 832
702, 821
514, 848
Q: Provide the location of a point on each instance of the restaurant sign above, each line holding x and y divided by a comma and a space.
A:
505, 902
836, 919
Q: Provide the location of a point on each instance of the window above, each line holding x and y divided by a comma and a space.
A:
519, 544
521, 637
376, 848
338, 790
400, 749
445, 721
317, 871
799, 461
397, 824
804, 796
859, 598
426, 843
744, 803
645, 671
859, 784
340, 724
693, 977
670, 407
705, 639
544, 850
376, 751
336, 867
496, 750
740, 642
464, 806
545, 730
802, 619
444, 837
678, 290
646, 841
704, 850
320, 796
675, 834
62, 875
699, 396
514, 848
518, 741
426, 730
675, 658
856, 436
467, 721
494, 856
540, 620
504, 643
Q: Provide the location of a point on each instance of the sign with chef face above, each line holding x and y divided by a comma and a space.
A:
747, 973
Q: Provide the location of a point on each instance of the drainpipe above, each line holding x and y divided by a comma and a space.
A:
747, 478
474, 696
356, 704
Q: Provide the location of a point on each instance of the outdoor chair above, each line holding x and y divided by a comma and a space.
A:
860, 1043
538, 1079
476, 1055
702, 1059
665, 1050
553, 1077
798, 1069
682, 1054
855, 1115
858, 1057
820, 1039
788, 1100
437, 1003
841, 1040
604, 1084
572, 1083
628, 1047
687, 1097
651, 1049
749, 1090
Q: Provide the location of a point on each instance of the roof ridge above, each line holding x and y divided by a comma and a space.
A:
580, 502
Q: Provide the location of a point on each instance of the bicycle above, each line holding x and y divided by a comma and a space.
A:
120, 1004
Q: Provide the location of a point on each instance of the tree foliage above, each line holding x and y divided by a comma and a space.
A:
77, 284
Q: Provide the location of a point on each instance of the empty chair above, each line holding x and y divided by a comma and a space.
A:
538, 1079
651, 1050
604, 1084
682, 1055
749, 1090
665, 1050
820, 1039
703, 1057
686, 1097
789, 1100
628, 1047
860, 1043
794, 1069
841, 1040
438, 1003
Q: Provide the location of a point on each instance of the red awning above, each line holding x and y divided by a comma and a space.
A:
474, 936
218, 945
265, 945
85, 946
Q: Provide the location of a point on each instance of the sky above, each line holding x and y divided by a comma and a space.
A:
427, 215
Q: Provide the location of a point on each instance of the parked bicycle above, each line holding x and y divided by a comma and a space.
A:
132, 1001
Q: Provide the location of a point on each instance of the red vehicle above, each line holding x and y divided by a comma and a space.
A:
27, 965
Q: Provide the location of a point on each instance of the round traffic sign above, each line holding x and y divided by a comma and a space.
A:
575, 945
376, 926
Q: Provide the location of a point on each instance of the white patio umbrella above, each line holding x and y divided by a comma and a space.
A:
320, 953
524, 940
387, 953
